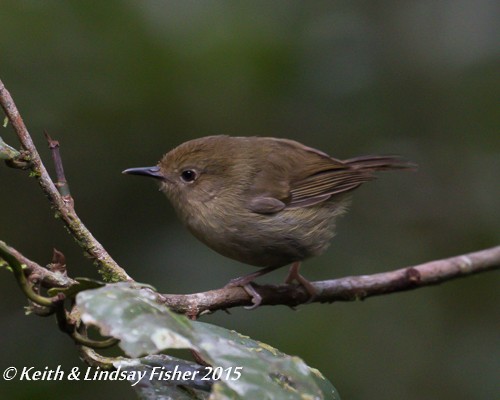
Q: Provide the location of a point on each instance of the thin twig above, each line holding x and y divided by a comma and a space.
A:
109, 269
47, 278
7, 152
12, 157
94, 359
342, 289
23, 282
61, 182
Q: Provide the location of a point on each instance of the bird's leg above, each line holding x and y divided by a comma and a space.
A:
246, 279
294, 275
245, 282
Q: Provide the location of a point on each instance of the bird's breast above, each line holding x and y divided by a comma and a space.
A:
264, 240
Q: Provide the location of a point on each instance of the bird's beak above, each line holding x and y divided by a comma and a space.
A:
153, 172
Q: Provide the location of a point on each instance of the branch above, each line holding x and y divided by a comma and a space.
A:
24, 283
108, 268
7, 152
43, 275
342, 289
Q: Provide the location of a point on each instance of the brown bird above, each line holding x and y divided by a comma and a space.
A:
263, 201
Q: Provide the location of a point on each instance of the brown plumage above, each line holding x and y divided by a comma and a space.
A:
263, 201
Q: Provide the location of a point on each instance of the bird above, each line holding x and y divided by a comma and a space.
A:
267, 202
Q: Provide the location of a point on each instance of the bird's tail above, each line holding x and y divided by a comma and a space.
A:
379, 163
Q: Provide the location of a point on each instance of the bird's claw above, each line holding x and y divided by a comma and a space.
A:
248, 288
294, 275
256, 297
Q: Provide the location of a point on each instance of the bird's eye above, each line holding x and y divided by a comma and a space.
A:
188, 175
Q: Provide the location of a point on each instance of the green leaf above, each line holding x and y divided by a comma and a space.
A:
153, 387
244, 368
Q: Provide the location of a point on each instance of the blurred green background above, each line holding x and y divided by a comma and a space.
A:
119, 83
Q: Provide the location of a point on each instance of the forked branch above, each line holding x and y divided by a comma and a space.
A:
342, 289
109, 269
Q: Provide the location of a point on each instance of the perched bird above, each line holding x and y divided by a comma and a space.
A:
263, 201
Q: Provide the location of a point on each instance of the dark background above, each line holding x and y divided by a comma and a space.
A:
119, 83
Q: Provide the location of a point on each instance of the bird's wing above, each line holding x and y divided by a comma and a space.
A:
294, 175
320, 186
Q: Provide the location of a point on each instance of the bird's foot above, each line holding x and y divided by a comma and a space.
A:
256, 297
246, 283
294, 275
247, 287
